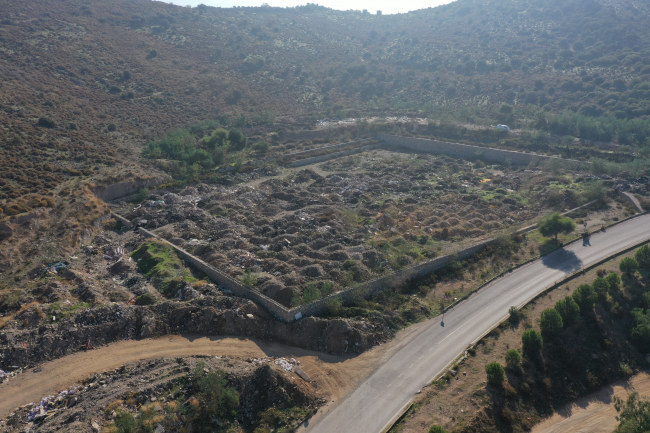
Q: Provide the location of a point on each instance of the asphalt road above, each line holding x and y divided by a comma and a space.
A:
425, 354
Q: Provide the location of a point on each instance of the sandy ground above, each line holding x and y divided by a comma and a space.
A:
594, 413
334, 376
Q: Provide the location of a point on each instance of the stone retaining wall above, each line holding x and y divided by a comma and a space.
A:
467, 151
334, 146
227, 282
125, 222
363, 290
328, 156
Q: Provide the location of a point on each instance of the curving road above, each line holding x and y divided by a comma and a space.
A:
424, 354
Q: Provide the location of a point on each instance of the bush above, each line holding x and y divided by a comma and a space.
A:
551, 323
261, 146
152, 54
532, 341
628, 266
568, 309
46, 122
585, 297
614, 281
126, 75
115, 90
495, 373
237, 139
249, 279
311, 293
642, 257
146, 299
515, 315
125, 422
437, 429
333, 306
513, 358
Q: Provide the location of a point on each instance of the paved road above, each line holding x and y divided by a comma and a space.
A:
374, 404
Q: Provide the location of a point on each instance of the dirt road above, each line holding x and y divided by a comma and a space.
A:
594, 413
334, 375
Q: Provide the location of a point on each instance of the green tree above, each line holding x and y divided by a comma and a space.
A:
614, 281
495, 373
601, 287
585, 297
554, 224
437, 429
218, 138
551, 323
568, 309
628, 266
237, 139
513, 358
641, 330
642, 257
532, 341
634, 414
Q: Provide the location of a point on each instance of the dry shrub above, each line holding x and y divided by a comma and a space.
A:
510, 391
507, 416
112, 406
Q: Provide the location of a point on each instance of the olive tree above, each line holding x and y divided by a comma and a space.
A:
554, 224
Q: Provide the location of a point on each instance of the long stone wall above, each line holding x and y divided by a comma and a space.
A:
328, 156
227, 282
334, 146
364, 290
468, 151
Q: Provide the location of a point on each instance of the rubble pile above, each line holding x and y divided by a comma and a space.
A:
243, 259
94, 404
50, 405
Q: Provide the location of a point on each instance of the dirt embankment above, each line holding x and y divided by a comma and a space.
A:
206, 316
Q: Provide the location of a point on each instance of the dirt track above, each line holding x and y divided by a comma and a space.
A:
594, 413
335, 375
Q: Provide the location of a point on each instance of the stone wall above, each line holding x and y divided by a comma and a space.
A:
121, 189
363, 290
328, 156
227, 282
334, 146
125, 222
469, 152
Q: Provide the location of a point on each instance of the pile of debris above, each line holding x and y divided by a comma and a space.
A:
243, 259
51, 404
287, 364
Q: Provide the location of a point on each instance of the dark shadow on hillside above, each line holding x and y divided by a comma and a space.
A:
274, 348
562, 260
